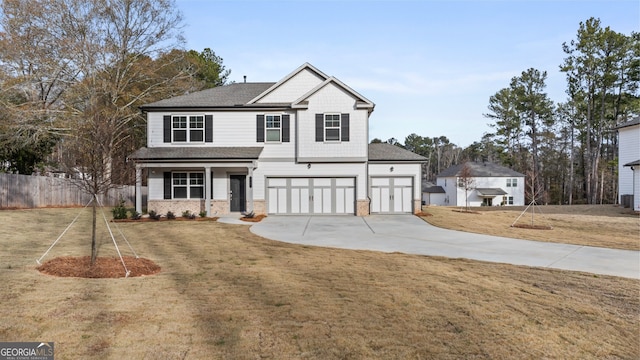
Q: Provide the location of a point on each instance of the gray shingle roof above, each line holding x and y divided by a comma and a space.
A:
197, 153
221, 96
481, 170
633, 163
633, 121
388, 152
491, 191
429, 187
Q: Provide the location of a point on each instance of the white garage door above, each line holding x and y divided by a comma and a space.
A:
391, 195
311, 196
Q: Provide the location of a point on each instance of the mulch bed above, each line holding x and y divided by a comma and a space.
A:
256, 218
424, 214
68, 266
534, 227
148, 219
467, 211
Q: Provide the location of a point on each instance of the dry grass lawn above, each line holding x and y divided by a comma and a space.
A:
591, 225
224, 293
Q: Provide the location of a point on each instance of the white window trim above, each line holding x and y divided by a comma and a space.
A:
512, 182
188, 185
266, 129
339, 127
188, 129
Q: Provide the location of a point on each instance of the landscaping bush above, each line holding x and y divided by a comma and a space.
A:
119, 211
154, 215
188, 215
135, 215
203, 214
171, 215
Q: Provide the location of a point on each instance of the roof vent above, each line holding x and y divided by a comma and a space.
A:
245, 79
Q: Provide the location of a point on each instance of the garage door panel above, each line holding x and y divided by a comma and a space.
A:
391, 195
311, 195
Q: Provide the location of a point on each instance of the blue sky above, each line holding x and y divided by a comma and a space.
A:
429, 66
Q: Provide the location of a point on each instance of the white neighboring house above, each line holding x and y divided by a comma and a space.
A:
629, 162
432, 194
296, 146
493, 185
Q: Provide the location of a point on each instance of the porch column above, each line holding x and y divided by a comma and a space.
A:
138, 189
207, 190
249, 187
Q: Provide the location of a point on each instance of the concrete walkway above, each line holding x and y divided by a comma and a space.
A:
410, 234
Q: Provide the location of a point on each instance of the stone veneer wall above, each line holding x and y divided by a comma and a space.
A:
417, 206
219, 207
176, 206
362, 207
260, 207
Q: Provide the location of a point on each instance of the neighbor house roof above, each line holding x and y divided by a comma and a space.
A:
633, 121
490, 192
429, 187
633, 163
221, 96
197, 153
480, 169
388, 152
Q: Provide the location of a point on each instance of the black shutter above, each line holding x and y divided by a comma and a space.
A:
166, 127
285, 128
260, 128
319, 127
344, 127
208, 128
167, 185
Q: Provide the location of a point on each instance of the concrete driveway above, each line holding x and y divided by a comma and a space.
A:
411, 235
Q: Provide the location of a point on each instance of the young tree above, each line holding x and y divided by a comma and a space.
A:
466, 181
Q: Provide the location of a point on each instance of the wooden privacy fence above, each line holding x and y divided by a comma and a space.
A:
25, 191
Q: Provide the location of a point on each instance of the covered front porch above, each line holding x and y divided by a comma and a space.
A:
214, 181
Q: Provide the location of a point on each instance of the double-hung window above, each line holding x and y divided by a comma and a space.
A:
331, 127
187, 185
273, 127
188, 128
512, 182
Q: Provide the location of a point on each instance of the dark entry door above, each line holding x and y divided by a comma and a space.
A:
238, 194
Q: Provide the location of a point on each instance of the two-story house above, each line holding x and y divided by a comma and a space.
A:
297, 146
629, 163
490, 185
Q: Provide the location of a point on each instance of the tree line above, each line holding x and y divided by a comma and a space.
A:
73, 73
569, 150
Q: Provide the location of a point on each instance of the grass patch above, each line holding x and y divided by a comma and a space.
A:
227, 293
590, 225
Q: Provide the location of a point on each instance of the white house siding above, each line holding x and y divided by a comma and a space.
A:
293, 88
332, 99
455, 196
230, 128
629, 150
636, 184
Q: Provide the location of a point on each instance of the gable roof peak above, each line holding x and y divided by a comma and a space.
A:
305, 66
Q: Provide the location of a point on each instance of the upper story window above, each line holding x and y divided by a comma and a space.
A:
512, 182
331, 127
273, 128
187, 128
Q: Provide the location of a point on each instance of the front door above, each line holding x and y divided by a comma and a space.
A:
237, 193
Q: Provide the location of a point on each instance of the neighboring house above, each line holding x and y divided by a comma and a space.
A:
297, 146
432, 194
629, 163
492, 185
